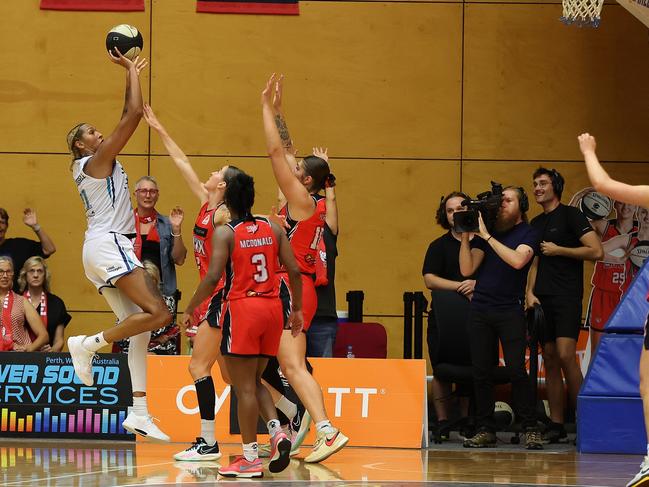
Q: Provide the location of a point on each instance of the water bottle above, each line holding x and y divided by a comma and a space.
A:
350, 352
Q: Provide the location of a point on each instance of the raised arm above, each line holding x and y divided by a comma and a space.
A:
101, 164
30, 219
470, 259
178, 251
330, 193
603, 183
177, 155
300, 202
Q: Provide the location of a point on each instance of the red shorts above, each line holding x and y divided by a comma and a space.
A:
309, 299
251, 327
600, 307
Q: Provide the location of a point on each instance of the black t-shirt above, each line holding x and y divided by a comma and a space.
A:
20, 249
57, 314
499, 286
557, 275
327, 294
443, 258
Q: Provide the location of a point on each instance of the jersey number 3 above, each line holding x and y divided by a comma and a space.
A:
259, 260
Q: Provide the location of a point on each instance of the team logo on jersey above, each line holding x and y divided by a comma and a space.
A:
309, 259
252, 228
206, 220
199, 246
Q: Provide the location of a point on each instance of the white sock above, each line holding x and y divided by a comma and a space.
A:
273, 427
207, 431
648, 449
139, 406
287, 407
94, 342
323, 425
250, 451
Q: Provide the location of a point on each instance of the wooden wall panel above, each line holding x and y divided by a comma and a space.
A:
368, 79
533, 84
56, 73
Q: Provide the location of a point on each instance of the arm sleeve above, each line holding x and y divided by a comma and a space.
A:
579, 223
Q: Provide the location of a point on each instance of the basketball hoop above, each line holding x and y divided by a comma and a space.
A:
583, 13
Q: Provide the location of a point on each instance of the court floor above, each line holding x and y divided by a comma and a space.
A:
99, 464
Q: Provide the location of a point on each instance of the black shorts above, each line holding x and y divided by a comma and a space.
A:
213, 315
562, 317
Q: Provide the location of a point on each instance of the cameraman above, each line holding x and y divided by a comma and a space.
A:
502, 260
556, 282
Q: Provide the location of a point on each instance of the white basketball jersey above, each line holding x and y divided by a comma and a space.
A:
107, 201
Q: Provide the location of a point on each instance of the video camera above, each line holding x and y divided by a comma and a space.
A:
487, 203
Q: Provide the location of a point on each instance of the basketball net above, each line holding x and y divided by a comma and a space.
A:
582, 12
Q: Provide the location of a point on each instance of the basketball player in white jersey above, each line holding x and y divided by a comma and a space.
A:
108, 257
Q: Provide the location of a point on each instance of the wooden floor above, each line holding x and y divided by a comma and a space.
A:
90, 464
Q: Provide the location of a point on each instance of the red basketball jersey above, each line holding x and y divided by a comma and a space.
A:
607, 276
252, 266
304, 235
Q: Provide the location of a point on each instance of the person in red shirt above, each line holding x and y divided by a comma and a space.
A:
634, 195
304, 216
246, 251
207, 335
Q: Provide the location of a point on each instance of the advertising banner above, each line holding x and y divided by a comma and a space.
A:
41, 397
361, 396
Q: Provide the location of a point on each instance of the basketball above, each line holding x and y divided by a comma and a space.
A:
639, 253
127, 39
596, 206
503, 414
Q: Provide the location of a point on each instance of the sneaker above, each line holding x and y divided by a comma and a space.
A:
242, 468
200, 470
199, 451
280, 452
300, 428
143, 426
328, 441
264, 450
482, 439
555, 433
533, 439
81, 359
642, 477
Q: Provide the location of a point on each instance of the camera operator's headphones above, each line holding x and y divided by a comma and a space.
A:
523, 200
440, 216
557, 182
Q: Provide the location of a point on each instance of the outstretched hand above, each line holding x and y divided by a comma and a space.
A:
137, 63
321, 152
278, 219
29, 217
277, 95
269, 90
151, 119
176, 216
587, 143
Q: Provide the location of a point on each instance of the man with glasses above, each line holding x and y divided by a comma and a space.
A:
21, 249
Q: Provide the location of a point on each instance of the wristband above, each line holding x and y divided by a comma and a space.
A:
36, 228
489, 237
175, 235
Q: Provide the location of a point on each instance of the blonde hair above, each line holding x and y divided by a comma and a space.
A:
153, 271
29, 263
75, 134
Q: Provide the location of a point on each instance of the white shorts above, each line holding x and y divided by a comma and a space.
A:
107, 258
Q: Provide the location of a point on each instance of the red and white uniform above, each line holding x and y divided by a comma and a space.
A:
608, 282
304, 237
202, 239
251, 317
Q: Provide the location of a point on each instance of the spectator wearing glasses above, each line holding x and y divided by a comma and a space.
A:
34, 282
17, 317
158, 242
20, 249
